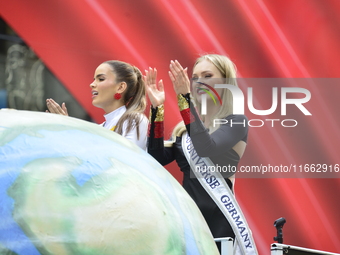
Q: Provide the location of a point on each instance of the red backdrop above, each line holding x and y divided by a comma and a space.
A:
277, 39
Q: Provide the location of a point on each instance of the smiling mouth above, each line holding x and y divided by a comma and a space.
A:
201, 91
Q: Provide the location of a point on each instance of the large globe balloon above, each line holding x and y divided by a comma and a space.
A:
68, 186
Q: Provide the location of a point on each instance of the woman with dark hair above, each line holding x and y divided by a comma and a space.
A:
118, 89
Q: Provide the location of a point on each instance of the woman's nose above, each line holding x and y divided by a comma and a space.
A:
195, 80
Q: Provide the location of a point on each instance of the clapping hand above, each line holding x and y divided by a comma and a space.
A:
54, 107
179, 78
155, 93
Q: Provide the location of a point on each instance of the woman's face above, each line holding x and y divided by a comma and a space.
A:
205, 76
103, 87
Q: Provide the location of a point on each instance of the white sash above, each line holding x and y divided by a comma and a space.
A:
215, 185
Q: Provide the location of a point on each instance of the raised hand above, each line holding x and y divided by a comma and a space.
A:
179, 78
155, 94
54, 107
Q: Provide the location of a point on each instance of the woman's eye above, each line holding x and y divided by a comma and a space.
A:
101, 79
208, 76
194, 78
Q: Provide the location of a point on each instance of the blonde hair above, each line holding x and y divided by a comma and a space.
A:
228, 71
178, 130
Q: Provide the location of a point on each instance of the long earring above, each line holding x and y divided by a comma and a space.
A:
117, 96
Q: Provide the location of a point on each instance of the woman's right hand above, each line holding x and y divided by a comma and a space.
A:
156, 95
54, 107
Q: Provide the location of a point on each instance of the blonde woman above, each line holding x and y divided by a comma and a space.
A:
198, 137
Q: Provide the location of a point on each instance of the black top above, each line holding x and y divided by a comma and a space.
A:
218, 147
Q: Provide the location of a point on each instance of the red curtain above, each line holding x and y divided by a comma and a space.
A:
265, 39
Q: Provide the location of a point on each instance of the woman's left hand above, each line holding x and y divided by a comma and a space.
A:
54, 107
179, 78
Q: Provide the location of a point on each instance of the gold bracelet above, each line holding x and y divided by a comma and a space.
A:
159, 113
182, 102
